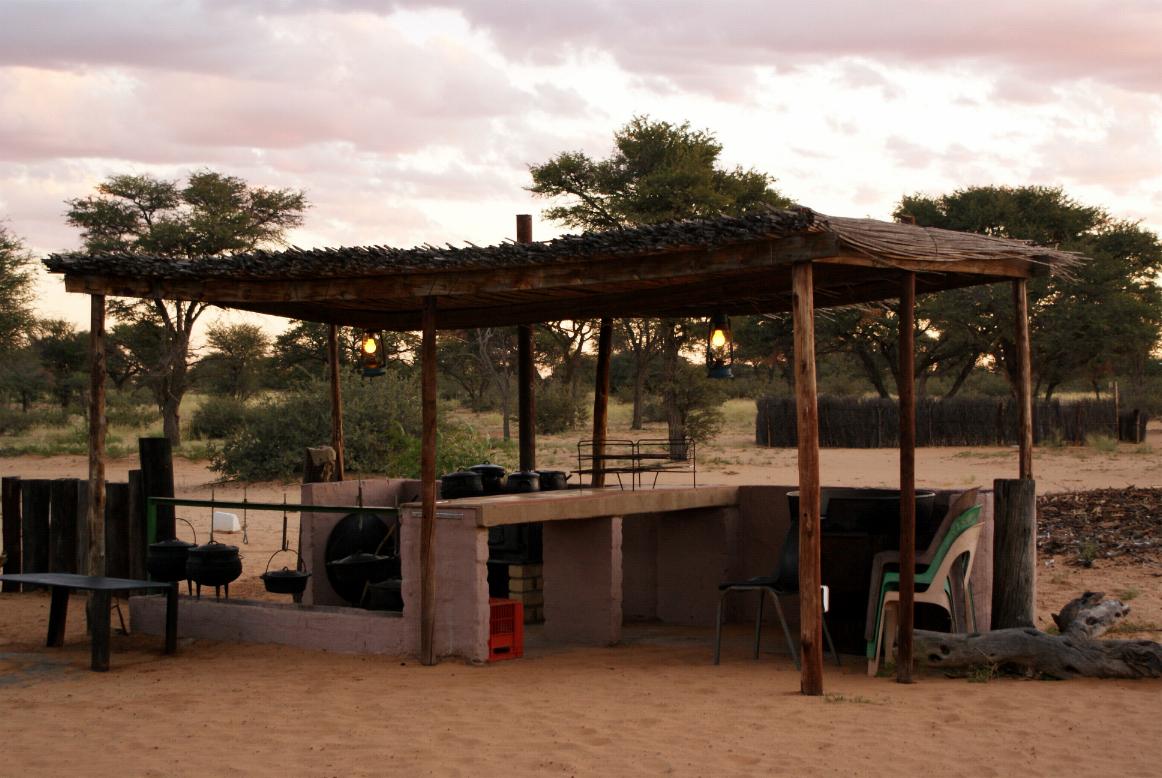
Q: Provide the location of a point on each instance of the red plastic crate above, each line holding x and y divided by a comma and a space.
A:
506, 629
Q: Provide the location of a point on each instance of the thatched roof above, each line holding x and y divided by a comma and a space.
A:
734, 263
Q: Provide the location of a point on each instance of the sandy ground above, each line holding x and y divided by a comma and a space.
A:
653, 705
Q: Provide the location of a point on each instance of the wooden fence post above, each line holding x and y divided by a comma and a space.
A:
36, 495
63, 529
157, 481
1014, 553
117, 538
10, 518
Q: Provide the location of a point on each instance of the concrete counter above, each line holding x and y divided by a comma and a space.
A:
572, 504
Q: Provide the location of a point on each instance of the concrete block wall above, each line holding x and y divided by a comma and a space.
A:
583, 580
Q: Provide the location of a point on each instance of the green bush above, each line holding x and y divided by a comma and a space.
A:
130, 409
381, 429
558, 411
13, 421
218, 417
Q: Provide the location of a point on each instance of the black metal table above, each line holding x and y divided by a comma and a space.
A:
60, 584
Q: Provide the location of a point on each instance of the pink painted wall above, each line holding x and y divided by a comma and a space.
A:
583, 580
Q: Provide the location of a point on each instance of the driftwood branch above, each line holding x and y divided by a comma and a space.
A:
1073, 653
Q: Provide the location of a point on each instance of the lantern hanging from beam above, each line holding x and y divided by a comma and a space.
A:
719, 347
371, 354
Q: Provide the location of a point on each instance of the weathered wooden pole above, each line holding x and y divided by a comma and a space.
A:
1014, 553
601, 400
1015, 501
138, 531
1024, 379
907, 391
118, 541
95, 520
807, 412
10, 519
526, 371
336, 400
428, 486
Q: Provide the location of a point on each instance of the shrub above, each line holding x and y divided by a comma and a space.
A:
14, 421
130, 409
381, 428
558, 411
218, 417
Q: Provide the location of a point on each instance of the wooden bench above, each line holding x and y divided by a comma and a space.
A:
638, 459
61, 584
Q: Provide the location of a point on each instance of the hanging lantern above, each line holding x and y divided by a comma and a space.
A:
719, 347
371, 354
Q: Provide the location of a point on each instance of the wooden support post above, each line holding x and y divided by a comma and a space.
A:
526, 371
601, 400
1014, 553
36, 494
1024, 379
807, 411
907, 392
99, 630
336, 400
428, 486
10, 517
63, 527
95, 521
157, 481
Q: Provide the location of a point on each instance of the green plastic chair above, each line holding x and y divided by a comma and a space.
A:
932, 584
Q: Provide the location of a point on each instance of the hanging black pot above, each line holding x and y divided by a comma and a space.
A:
214, 564
464, 483
491, 476
165, 560
384, 596
285, 581
519, 483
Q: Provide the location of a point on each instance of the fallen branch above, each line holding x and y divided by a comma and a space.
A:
1073, 653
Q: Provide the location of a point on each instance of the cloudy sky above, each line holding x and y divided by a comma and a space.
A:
411, 122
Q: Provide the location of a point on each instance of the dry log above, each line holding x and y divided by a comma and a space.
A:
319, 464
1074, 653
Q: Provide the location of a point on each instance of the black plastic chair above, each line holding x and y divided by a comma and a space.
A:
784, 581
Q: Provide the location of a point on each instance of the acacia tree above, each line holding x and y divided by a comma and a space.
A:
658, 172
212, 215
236, 360
16, 289
1099, 319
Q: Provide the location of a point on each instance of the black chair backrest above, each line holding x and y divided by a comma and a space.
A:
786, 575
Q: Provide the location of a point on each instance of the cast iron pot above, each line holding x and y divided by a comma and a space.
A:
214, 564
519, 483
352, 573
384, 596
552, 480
166, 560
285, 581
492, 476
464, 483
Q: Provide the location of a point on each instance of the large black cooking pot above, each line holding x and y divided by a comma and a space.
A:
351, 574
492, 477
519, 483
213, 564
384, 596
464, 483
166, 560
552, 480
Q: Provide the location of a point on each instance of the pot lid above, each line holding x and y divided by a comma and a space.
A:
214, 547
172, 543
488, 467
359, 558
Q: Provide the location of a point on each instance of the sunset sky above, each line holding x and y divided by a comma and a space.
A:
415, 122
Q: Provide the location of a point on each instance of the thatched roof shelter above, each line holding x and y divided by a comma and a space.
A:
734, 264
765, 261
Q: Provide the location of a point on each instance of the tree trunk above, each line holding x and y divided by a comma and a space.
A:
171, 420
675, 423
639, 390
1073, 653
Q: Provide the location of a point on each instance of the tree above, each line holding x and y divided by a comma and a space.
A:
1098, 319
657, 172
16, 290
63, 353
237, 359
212, 215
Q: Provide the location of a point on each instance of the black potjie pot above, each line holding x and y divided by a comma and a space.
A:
165, 560
214, 564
